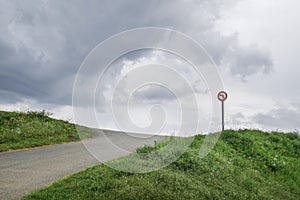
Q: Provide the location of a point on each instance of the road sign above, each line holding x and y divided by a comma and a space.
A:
222, 96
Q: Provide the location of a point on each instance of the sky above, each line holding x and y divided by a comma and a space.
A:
254, 45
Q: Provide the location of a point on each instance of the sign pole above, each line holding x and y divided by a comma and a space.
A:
222, 96
222, 115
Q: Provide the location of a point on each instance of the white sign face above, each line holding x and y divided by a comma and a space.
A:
222, 96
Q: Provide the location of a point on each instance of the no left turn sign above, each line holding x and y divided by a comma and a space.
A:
222, 96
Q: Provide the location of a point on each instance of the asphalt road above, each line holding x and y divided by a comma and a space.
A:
24, 171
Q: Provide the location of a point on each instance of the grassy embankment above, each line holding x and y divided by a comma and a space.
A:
245, 164
25, 130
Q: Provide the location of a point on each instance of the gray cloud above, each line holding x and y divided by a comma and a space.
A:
287, 118
153, 93
42, 43
243, 62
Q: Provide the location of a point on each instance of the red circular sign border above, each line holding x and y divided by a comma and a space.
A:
221, 94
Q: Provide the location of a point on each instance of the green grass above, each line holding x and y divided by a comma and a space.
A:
24, 130
244, 164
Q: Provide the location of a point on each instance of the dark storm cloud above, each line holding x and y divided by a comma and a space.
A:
42, 43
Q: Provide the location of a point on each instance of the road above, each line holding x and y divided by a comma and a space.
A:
24, 171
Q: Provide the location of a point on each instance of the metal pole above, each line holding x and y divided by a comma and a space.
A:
222, 115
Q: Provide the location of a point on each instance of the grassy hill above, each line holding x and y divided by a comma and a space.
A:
23, 130
245, 164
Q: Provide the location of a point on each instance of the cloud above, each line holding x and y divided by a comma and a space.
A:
246, 61
43, 43
166, 60
282, 117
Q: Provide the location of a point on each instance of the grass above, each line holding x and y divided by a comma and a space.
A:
25, 130
244, 164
